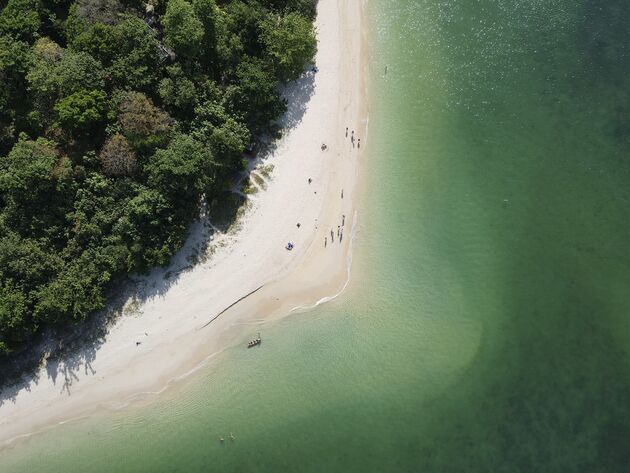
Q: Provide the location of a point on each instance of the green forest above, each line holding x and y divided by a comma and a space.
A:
117, 117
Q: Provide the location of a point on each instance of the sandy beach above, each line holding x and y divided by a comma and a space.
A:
174, 327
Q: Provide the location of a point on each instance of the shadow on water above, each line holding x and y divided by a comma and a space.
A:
552, 395
549, 390
605, 43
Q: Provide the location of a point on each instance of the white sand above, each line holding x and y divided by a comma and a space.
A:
175, 310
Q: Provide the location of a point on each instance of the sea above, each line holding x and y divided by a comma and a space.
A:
486, 324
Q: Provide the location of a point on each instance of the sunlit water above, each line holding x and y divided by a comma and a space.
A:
487, 323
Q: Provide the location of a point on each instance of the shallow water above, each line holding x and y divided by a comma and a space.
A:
486, 326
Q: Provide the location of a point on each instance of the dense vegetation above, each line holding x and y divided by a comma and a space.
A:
116, 118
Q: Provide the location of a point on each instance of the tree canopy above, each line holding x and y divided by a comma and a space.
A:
116, 118
290, 42
182, 28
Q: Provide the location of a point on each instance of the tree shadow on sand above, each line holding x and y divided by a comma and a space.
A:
63, 353
68, 350
298, 94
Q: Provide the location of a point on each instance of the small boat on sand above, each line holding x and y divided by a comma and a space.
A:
254, 342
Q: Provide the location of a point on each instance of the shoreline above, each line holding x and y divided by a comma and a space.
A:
173, 322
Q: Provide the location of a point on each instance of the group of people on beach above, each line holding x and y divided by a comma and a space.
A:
339, 232
340, 228
343, 217
324, 147
352, 138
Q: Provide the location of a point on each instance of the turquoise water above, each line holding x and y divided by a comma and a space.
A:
487, 325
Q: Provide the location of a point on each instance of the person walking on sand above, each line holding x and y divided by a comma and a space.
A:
325, 242
342, 193
346, 132
359, 143
338, 229
332, 236
343, 220
310, 180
